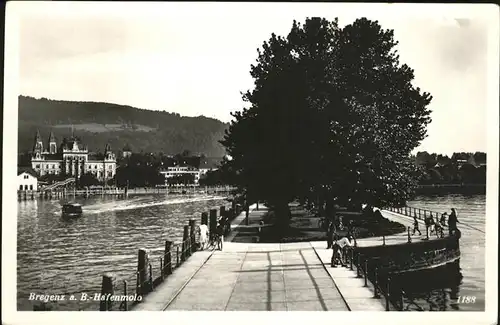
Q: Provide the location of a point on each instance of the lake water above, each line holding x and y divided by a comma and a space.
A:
471, 212
69, 257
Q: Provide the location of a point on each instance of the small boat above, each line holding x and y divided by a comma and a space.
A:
72, 210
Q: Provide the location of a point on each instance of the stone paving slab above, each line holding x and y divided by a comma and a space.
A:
158, 299
260, 283
357, 296
397, 238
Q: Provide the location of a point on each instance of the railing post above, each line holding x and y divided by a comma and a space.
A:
375, 284
125, 302
106, 288
167, 255
184, 243
162, 274
388, 294
150, 278
419, 212
409, 236
425, 214
366, 272
177, 255
222, 211
352, 257
192, 226
142, 265
358, 266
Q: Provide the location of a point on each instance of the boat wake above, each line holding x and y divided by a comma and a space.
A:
131, 205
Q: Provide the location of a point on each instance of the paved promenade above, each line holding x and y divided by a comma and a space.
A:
249, 276
397, 238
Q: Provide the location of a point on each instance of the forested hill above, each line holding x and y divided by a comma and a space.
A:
99, 123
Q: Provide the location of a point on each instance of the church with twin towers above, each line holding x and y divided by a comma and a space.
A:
71, 157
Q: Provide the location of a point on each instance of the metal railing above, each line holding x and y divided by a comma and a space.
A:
146, 279
423, 214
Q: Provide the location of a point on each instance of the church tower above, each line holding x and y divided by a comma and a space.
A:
52, 143
109, 155
38, 146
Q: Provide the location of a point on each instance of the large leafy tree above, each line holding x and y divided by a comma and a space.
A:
333, 117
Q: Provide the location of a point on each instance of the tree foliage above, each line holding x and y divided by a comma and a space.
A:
88, 179
333, 116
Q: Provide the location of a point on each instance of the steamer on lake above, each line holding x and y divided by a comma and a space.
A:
72, 210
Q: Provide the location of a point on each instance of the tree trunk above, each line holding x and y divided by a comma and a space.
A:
282, 213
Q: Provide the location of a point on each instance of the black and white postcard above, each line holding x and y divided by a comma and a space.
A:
266, 158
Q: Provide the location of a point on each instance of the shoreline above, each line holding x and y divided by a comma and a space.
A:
304, 227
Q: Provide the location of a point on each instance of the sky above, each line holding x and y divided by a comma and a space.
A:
194, 58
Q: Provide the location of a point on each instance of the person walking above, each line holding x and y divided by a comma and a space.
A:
330, 233
203, 232
336, 255
415, 226
452, 220
442, 221
350, 229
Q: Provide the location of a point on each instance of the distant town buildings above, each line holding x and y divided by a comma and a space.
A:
27, 179
183, 169
71, 158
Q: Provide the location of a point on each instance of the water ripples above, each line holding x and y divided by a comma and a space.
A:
56, 256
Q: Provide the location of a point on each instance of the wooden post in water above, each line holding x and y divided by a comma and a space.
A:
192, 227
106, 288
167, 258
142, 270
125, 303
204, 218
185, 238
213, 222
162, 269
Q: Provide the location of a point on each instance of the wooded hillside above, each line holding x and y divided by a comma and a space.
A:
99, 123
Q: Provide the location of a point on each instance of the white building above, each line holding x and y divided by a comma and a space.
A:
72, 159
209, 164
27, 180
179, 171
